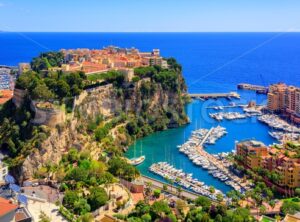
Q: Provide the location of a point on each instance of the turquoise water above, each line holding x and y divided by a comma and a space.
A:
212, 62
162, 146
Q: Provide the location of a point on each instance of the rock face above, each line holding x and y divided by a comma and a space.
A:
108, 101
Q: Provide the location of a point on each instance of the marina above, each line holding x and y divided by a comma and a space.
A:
280, 136
163, 146
183, 179
217, 167
276, 123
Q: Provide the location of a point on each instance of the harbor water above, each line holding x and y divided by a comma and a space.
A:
212, 62
162, 146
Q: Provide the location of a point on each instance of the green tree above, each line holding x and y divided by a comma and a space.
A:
205, 218
88, 217
204, 202
142, 208
62, 89
218, 218
160, 208
219, 197
81, 207
290, 207
43, 217
262, 209
42, 92
157, 193
72, 155
121, 168
97, 198
297, 192
165, 187
146, 218
70, 198
78, 174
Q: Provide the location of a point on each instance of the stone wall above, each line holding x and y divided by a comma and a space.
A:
18, 98
47, 116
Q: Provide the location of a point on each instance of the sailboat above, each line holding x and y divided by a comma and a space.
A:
137, 160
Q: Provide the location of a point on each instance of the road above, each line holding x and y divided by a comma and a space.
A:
171, 189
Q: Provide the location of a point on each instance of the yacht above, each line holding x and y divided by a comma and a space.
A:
137, 161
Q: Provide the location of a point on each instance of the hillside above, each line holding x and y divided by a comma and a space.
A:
53, 112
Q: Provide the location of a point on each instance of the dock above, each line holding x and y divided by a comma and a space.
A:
205, 137
257, 88
214, 95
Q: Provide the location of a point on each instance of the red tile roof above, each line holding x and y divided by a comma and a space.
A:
6, 207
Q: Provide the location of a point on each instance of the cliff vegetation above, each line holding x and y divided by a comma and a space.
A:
104, 113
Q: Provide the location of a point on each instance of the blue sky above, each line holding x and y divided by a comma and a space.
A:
150, 15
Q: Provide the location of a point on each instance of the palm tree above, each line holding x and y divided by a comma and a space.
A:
278, 218
165, 189
179, 190
148, 188
172, 184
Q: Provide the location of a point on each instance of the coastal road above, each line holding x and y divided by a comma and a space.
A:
171, 189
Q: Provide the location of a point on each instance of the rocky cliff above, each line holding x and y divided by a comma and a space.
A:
142, 98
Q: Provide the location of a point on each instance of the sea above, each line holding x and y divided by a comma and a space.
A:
212, 62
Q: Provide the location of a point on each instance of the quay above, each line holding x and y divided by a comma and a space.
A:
256, 88
8, 67
214, 95
156, 184
223, 168
233, 106
205, 137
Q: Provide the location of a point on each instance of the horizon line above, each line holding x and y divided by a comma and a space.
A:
148, 32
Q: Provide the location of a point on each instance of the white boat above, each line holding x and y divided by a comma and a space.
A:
137, 161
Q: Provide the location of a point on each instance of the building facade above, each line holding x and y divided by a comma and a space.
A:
285, 163
285, 100
3, 172
251, 152
277, 97
109, 58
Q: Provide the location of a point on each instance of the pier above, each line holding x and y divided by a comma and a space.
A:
256, 88
205, 137
214, 95
232, 106
8, 67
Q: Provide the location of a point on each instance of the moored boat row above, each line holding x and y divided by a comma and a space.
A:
212, 165
284, 136
183, 179
275, 122
205, 136
228, 115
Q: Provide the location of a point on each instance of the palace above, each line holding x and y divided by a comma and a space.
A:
110, 58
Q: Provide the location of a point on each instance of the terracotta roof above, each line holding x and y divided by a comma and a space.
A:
292, 218
108, 218
6, 95
6, 206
